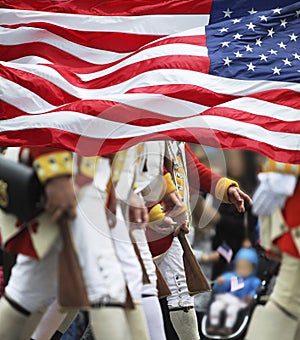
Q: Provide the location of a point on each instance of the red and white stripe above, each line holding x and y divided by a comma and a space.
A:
98, 83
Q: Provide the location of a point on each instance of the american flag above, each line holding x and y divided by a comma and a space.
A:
225, 251
97, 76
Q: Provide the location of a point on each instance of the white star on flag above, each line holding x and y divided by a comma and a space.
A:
237, 36
287, 62
235, 21
258, 42
238, 54
225, 43
263, 18
248, 48
252, 11
251, 26
263, 57
276, 70
223, 29
293, 37
283, 22
273, 51
227, 61
281, 45
296, 55
277, 10
271, 32
251, 67
227, 13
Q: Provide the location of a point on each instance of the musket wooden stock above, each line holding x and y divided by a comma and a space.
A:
146, 279
196, 279
162, 287
71, 287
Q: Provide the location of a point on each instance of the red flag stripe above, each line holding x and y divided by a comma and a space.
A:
19, 44
89, 146
113, 7
143, 117
45, 89
150, 24
112, 41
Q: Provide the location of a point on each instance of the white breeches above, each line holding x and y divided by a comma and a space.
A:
101, 268
33, 283
228, 303
140, 237
172, 268
130, 264
286, 291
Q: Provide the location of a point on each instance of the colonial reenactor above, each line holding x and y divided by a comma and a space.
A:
276, 201
187, 174
33, 281
123, 179
92, 173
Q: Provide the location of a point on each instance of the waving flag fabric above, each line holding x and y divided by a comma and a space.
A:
109, 74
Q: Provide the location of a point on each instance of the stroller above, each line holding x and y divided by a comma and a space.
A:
267, 271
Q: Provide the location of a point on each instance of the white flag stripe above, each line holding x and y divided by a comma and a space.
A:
213, 83
152, 52
262, 108
28, 35
22, 98
29, 102
96, 56
31, 59
95, 127
158, 24
188, 33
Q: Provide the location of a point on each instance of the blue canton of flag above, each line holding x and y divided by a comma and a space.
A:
231, 9
257, 44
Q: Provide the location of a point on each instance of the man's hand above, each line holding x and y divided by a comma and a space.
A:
181, 221
138, 213
248, 298
183, 227
165, 226
60, 198
220, 280
209, 258
172, 203
237, 197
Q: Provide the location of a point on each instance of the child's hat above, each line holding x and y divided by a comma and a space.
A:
248, 254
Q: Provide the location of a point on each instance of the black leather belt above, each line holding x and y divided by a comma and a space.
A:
185, 309
16, 306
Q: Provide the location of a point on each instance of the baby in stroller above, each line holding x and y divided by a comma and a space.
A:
234, 291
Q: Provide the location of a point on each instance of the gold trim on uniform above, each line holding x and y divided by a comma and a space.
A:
118, 165
4, 199
273, 166
156, 213
88, 165
222, 186
179, 175
169, 184
53, 165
